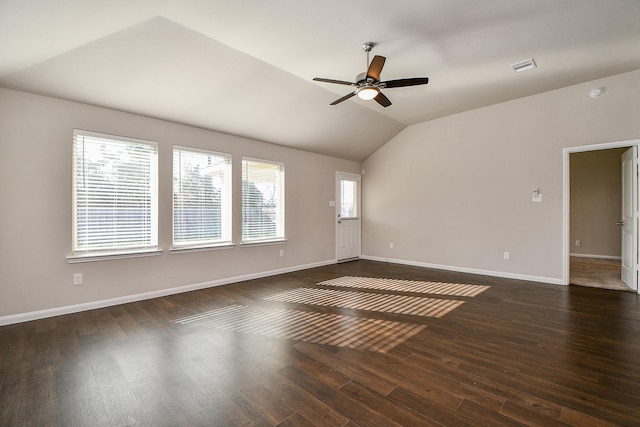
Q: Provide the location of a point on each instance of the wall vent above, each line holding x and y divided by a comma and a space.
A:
521, 66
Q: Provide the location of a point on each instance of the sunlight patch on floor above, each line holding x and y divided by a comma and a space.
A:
437, 288
386, 303
321, 328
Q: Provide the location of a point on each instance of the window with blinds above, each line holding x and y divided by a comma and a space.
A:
115, 194
201, 198
262, 200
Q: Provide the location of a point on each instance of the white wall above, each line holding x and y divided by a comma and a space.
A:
456, 192
35, 186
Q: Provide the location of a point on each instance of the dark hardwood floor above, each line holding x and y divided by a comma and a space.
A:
288, 351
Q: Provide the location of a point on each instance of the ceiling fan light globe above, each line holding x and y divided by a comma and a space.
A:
368, 92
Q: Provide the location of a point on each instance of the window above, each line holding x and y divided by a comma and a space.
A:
262, 200
349, 198
115, 194
201, 198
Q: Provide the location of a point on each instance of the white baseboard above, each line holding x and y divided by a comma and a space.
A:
58, 311
551, 280
595, 256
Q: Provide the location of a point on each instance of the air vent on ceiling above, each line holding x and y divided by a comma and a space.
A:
521, 66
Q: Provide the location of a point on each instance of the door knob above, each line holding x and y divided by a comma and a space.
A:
620, 223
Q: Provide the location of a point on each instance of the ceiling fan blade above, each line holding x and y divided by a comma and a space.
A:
376, 67
406, 82
382, 100
344, 98
339, 82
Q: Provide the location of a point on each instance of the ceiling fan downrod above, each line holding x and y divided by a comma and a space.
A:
367, 46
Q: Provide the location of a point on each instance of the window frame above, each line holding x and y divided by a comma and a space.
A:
91, 251
280, 235
226, 239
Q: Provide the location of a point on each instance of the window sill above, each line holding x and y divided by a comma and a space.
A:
188, 249
89, 257
264, 242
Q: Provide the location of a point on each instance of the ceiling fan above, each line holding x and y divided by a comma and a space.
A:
368, 84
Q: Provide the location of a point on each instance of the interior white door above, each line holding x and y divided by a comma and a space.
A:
348, 216
629, 222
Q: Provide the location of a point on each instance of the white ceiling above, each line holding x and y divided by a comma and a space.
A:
245, 67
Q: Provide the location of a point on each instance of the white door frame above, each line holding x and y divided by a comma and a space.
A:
357, 177
629, 218
567, 197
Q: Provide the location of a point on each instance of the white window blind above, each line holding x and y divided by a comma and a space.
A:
262, 200
201, 198
115, 193
349, 202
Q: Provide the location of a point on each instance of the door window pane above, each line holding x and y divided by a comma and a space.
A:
349, 202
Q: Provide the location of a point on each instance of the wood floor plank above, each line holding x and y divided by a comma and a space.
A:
429, 409
353, 371
518, 353
324, 373
532, 392
529, 416
484, 416
580, 419
296, 420
384, 406
486, 390
351, 408
431, 382
410, 377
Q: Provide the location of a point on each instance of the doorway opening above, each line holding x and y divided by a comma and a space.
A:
601, 215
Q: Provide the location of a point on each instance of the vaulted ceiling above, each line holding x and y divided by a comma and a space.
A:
246, 67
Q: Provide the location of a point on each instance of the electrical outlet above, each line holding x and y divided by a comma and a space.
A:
506, 255
77, 279
390, 245
578, 242
536, 196
281, 253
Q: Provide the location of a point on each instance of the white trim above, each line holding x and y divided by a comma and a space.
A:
97, 256
604, 146
110, 136
566, 199
595, 256
58, 311
550, 280
202, 151
187, 249
262, 242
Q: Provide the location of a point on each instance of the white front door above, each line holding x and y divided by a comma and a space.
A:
629, 253
348, 216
